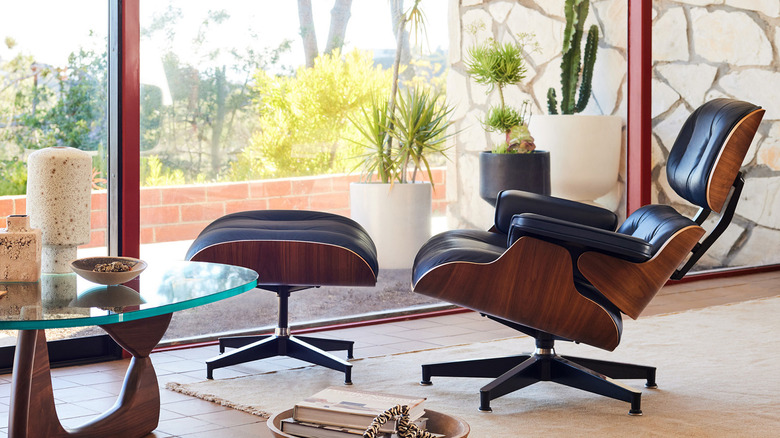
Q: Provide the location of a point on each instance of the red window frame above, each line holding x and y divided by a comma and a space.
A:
129, 153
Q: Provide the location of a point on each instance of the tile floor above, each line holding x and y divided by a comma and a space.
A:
84, 391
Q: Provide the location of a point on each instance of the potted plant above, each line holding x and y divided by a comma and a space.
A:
585, 148
514, 163
399, 135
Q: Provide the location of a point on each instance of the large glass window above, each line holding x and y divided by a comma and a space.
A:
53, 92
247, 105
721, 70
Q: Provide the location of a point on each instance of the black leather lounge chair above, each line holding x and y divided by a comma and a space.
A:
560, 270
291, 250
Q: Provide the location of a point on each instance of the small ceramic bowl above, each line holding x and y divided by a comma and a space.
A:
85, 269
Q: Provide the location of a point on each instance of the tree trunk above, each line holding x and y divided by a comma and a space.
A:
216, 130
308, 33
396, 11
339, 17
398, 26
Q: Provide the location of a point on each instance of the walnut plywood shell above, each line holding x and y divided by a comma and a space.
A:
730, 159
279, 262
531, 284
631, 286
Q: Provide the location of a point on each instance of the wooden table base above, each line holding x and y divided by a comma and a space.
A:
136, 412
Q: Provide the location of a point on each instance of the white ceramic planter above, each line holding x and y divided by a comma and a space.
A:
584, 153
397, 217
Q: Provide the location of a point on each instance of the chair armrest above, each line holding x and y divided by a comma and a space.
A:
513, 202
579, 237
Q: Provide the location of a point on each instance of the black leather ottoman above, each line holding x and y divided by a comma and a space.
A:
291, 250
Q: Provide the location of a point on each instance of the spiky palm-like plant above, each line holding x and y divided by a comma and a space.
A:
572, 72
401, 130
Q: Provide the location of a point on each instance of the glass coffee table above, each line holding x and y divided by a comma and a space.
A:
135, 315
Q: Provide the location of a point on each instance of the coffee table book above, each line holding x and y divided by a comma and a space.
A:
354, 409
311, 430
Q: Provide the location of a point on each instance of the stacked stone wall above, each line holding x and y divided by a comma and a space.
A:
702, 49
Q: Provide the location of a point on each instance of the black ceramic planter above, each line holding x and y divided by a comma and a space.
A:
529, 172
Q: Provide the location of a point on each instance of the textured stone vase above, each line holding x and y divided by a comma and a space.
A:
59, 185
20, 250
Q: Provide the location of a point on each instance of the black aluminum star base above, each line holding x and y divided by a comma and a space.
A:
282, 343
516, 372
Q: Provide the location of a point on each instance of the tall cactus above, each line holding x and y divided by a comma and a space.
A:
572, 73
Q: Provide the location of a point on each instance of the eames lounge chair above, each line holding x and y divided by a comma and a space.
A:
560, 270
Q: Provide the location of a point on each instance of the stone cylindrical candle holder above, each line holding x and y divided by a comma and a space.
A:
59, 185
20, 250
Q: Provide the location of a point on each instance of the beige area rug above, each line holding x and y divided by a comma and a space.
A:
718, 375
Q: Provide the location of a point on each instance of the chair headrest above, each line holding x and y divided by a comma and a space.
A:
700, 145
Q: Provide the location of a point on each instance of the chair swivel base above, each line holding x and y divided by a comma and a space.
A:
516, 372
305, 348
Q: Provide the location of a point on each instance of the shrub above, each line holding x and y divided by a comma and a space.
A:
303, 123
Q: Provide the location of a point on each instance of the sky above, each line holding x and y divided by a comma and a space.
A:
51, 29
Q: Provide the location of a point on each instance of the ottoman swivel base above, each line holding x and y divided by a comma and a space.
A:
282, 343
301, 348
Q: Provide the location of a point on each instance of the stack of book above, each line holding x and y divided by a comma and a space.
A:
347, 413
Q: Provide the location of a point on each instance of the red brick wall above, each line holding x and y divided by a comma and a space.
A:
181, 212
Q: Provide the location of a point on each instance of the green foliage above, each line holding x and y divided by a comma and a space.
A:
552, 102
420, 126
572, 72
45, 105
514, 124
373, 126
591, 45
209, 116
415, 119
151, 115
14, 177
502, 118
304, 119
497, 66
64, 107
154, 173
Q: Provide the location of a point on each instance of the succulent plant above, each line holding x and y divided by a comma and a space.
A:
498, 65
572, 72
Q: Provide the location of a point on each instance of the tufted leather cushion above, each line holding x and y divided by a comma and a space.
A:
289, 225
512, 202
655, 224
698, 145
458, 246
